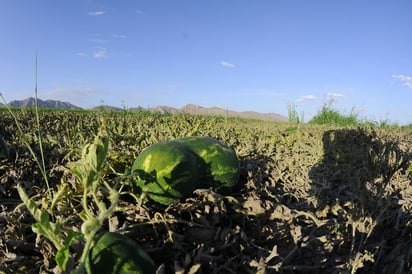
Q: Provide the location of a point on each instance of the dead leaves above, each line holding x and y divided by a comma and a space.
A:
300, 207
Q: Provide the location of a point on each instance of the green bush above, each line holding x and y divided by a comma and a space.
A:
330, 116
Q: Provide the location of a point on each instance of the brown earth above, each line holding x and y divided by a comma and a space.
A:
309, 200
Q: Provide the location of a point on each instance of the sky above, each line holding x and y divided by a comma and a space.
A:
241, 55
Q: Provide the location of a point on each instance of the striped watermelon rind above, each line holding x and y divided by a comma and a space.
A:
167, 171
220, 159
170, 170
116, 253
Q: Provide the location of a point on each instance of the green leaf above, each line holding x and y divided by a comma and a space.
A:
38, 229
71, 236
62, 257
43, 226
41, 216
44, 216
93, 157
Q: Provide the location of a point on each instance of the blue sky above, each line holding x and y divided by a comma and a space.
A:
240, 55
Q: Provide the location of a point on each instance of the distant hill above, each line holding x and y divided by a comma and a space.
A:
198, 110
31, 102
107, 108
189, 109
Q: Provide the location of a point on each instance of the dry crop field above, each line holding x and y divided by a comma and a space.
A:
310, 199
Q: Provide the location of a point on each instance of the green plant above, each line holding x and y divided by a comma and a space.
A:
293, 114
87, 170
330, 116
44, 226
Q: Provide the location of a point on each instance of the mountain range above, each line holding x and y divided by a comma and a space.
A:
187, 109
31, 102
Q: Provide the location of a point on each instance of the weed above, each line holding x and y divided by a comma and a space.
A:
330, 116
293, 114
87, 170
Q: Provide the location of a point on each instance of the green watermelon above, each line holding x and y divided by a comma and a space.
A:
116, 253
167, 171
220, 159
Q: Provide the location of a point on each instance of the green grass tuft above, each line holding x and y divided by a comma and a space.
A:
330, 116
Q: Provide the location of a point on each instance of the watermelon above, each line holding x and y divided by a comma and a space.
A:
167, 171
170, 170
116, 253
220, 159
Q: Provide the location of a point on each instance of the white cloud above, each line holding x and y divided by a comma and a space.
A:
406, 80
306, 98
100, 53
120, 36
332, 95
227, 64
97, 40
96, 13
